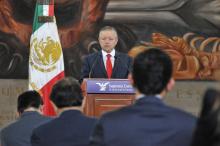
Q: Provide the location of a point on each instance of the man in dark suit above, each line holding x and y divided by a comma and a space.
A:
19, 132
71, 128
148, 122
107, 63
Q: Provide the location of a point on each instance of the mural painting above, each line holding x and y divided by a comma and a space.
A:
189, 30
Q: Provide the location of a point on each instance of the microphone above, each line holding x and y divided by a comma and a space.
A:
93, 64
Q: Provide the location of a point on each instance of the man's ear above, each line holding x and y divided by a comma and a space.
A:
130, 78
170, 84
54, 106
117, 39
83, 106
18, 114
41, 108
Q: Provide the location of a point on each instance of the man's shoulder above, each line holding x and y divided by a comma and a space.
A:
155, 108
11, 129
123, 55
43, 127
158, 106
35, 119
58, 122
8, 127
12, 126
93, 55
90, 119
120, 113
181, 120
43, 119
182, 114
26, 122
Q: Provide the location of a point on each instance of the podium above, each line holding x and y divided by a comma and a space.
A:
102, 95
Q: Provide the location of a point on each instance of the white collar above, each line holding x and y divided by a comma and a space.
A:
112, 53
139, 96
142, 95
158, 96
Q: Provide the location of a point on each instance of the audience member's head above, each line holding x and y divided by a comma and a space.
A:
211, 101
152, 72
207, 132
216, 134
66, 93
28, 100
66, 97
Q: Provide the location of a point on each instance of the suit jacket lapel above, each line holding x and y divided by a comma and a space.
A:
116, 63
101, 65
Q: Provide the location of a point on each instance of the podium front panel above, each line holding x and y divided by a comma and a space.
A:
103, 95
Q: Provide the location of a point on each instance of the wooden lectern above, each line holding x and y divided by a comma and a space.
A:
103, 95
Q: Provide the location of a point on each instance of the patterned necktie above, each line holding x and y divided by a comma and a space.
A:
109, 65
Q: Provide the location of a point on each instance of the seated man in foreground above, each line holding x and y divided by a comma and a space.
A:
148, 122
71, 127
29, 111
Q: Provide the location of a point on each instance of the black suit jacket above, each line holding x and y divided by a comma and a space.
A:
93, 66
19, 132
71, 128
149, 122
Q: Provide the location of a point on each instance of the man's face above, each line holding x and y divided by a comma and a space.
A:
108, 40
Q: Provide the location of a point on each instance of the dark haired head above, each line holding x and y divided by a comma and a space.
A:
66, 93
152, 70
211, 101
207, 131
28, 99
216, 137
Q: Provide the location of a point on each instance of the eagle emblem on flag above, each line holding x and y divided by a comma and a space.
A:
45, 54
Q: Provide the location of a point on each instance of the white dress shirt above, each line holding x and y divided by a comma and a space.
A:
112, 57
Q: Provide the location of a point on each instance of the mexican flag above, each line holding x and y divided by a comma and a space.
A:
46, 65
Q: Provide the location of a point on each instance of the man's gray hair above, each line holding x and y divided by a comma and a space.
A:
106, 28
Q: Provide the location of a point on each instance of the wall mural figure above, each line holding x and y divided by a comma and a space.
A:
189, 30
77, 20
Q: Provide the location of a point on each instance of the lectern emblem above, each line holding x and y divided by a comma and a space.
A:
102, 86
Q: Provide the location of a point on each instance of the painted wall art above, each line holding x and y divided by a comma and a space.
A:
188, 30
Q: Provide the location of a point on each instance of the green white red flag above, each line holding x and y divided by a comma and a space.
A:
46, 65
